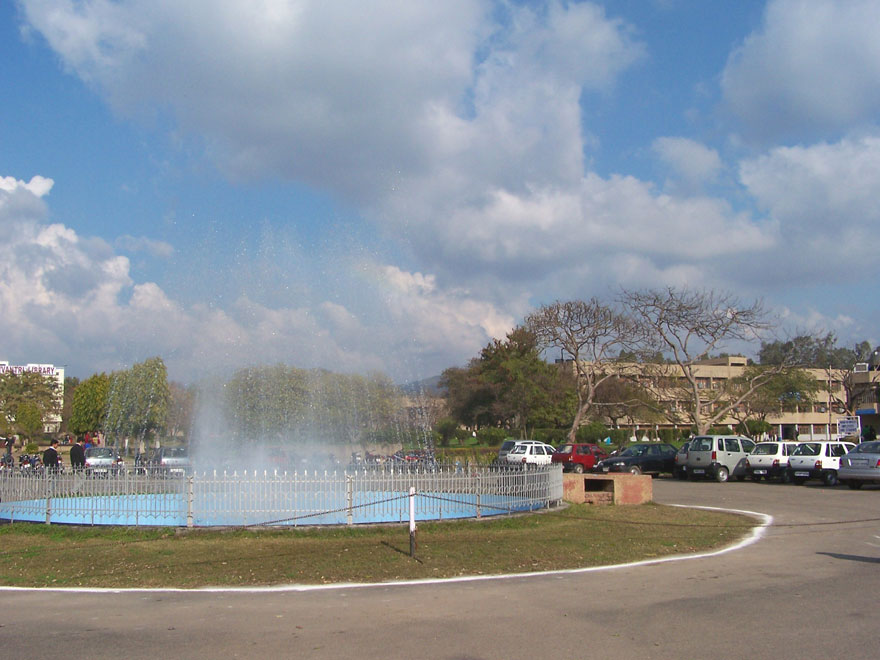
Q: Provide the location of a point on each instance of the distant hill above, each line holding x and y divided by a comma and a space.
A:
428, 385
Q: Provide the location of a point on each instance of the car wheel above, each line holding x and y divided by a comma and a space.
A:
830, 478
578, 468
722, 475
855, 485
785, 477
635, 470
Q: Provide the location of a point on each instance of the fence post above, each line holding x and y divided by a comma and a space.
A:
189, 501
349, 499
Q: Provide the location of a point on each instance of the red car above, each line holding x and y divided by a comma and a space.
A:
578, 456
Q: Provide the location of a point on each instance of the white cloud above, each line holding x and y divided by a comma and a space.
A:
691, 162
38, 185
813, 68
72, 300
824, 196
144, 244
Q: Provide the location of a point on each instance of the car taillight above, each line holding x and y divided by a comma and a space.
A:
524, 459
878, 463
748, 465
775, 462
713, 455
818, 465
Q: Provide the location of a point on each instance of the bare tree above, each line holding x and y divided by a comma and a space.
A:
690, 325
592, 334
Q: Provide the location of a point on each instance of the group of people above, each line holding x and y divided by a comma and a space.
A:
52, 460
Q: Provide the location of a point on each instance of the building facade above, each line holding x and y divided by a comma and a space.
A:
815, 418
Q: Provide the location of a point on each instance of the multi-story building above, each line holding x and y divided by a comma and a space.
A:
813, 418
53, 423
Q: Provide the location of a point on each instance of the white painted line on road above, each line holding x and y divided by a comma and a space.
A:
756, 534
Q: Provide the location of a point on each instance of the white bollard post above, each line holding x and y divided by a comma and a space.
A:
412, 521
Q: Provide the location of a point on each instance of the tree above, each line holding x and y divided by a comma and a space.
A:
28, 419
137, 400
89, 408
592, 333
813, 351
689, 325
784, 390
181, 408
70, 385
509, 386
839, 363
38, 391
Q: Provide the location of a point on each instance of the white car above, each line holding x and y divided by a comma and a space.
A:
770, 460
817, 460
103, 461
530, 453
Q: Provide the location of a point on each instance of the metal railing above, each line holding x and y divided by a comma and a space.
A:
366, 495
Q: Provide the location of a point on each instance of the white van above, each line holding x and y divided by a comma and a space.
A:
718, 456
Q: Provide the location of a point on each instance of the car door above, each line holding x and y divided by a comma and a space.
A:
732, 457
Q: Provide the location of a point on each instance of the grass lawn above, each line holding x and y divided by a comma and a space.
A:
576, 536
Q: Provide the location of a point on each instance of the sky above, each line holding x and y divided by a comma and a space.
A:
390, 185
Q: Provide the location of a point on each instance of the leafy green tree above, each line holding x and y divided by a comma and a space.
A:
137, 400
70, 385
510, 386
283, 404
782, 391
37, 390
28, 419
445, 429
89, 407
812, 351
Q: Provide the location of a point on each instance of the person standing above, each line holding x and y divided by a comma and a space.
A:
50, 456
77, 455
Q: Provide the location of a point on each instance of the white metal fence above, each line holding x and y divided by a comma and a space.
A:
276, 498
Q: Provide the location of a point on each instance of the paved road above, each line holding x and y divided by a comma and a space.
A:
808, 589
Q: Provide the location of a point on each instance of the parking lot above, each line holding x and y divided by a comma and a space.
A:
807, 589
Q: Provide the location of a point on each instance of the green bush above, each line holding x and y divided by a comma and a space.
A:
31, 448
491, 436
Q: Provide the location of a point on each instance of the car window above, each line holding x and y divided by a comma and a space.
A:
519, 449
868, 448
703, 444
747, 445
837, 450
731, 444
808, 449
765, 449
565, 449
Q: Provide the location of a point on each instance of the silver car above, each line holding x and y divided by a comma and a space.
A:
861, 465
718, 457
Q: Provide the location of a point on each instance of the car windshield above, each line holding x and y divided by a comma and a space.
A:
99, 452
867, 448
808, 449
565, 449
635, 450
702, 444
175, 452
519, 449
684, 448
507, 444
766, 449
